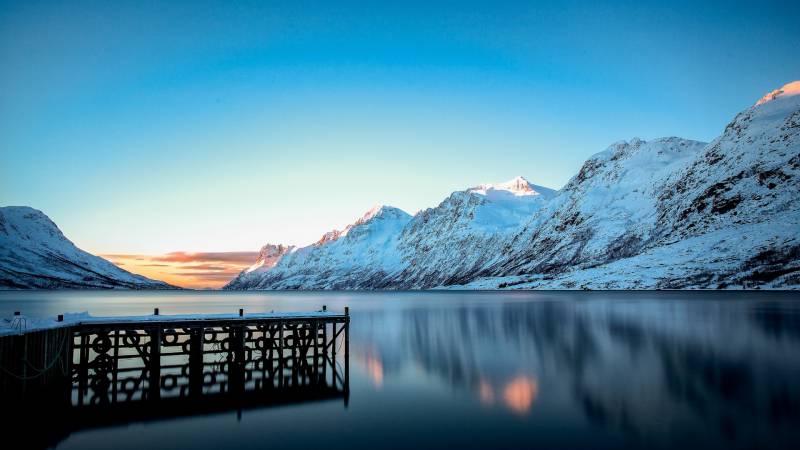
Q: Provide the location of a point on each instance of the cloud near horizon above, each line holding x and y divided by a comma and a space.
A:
185, 269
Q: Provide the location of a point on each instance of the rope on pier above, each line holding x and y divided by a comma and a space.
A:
40, 372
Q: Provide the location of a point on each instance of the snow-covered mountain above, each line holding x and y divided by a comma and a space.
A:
387, 248
449, 243
666, 213
361, 256
724, 214
268, 257
606, 212
34, 254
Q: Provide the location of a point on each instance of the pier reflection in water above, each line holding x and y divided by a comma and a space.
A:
120, 373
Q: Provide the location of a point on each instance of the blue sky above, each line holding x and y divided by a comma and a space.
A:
149, 127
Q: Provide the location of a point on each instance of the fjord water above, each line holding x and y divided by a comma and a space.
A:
503, 370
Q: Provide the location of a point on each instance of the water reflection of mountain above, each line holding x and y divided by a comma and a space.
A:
644, 369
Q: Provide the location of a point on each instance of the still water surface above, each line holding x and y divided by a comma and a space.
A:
503, 370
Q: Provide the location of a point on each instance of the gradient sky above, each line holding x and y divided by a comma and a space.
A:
149, 127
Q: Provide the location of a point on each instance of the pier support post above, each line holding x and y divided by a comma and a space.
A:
83, 371
316, 351
280, 353
333, 353
324, 352
115, 373
154, 381
196, 338
346, 351
236, 366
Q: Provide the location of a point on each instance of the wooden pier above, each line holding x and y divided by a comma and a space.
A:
103, 371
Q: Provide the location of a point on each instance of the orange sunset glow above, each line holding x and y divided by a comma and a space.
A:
187, 270
375, 370
520, 393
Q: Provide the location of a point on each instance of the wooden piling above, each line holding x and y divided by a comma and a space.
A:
316, 351
280, 352
347, 349
154, 364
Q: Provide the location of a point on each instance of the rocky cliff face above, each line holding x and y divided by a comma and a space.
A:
34, 254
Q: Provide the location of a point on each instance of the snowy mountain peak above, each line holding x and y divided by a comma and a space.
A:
377, 211
26, 223
372, 212
787, 90
330, 236
517, 186
381, 211
365, 248
269, 255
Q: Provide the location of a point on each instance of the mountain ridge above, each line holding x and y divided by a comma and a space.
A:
35, 254
631, 209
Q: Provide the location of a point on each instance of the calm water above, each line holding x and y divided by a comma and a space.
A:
504, 370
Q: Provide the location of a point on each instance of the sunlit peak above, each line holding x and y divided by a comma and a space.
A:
787, 90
